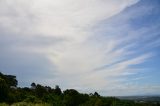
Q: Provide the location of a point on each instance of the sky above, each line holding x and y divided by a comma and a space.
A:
108, 46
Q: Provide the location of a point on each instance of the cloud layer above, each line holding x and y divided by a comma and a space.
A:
84, 45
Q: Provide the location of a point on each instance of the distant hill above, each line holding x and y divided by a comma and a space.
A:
141, 98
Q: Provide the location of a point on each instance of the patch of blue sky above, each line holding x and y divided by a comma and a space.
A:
141, 23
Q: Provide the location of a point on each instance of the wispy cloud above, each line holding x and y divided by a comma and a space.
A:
85, 45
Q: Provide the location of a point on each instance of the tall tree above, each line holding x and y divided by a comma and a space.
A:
3, 90
57, 90
40, 91
33, 85
9, 79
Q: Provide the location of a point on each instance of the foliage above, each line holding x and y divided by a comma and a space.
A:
57, 90
10, 79
3, 90
26, 104
38, 95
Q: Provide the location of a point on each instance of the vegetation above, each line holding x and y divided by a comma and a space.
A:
38, 95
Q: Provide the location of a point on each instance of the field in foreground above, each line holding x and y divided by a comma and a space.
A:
25, 104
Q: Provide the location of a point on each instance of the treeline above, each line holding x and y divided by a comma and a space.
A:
10, 93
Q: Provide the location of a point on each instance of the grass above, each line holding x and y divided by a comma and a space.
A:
25, 104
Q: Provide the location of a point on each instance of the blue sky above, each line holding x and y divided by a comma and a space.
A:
108, 46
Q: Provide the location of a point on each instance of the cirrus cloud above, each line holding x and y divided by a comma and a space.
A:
79, 51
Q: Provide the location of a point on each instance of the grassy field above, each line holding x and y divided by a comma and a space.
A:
25, 104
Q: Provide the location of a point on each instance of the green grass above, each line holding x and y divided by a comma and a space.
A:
3, 104
25, 104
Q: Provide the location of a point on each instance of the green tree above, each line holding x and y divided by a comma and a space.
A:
40, 91
74, 98
33, 85
96, 94
10, 79
57, 90
3, 90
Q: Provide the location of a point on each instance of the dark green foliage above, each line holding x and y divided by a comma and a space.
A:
10, 94
53, 99
3, 90
96, 94
57, 90
40, 91
32, 99
9, 79
74, 98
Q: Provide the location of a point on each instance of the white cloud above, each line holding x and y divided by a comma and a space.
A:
61, 18
80, 59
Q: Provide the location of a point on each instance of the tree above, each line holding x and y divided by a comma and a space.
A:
33, 85
96, 94
57, 90
74, 98
40, 91
3, 90
9, 79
